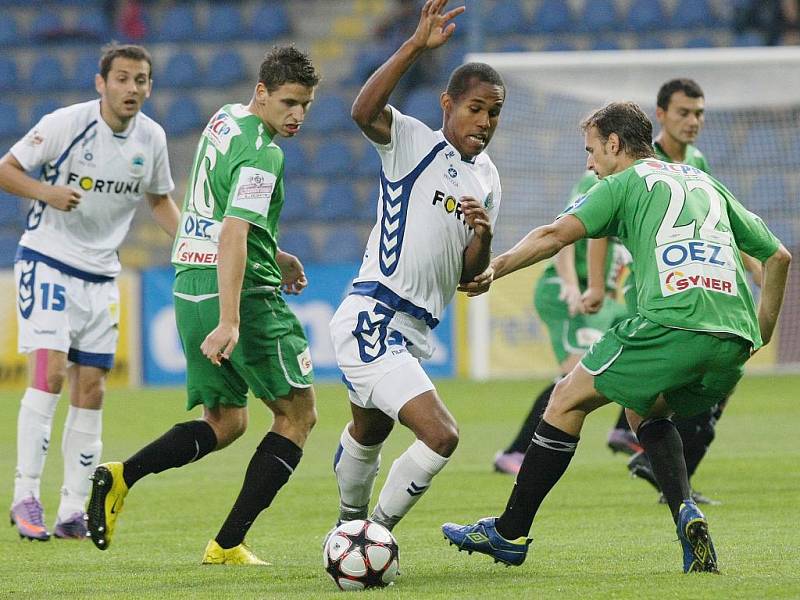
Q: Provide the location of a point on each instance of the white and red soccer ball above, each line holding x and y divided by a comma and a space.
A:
360, 554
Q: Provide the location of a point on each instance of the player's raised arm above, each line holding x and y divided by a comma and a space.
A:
369, 110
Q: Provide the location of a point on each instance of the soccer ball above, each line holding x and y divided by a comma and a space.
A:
360, 554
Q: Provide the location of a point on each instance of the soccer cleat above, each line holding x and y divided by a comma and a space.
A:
698, 497
483, 537
238, 555
28, 516
623, 440
639, 466
105, 503
508, 462
698, 549
73, 528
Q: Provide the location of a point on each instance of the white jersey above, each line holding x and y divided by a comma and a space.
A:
74, 146
415, 252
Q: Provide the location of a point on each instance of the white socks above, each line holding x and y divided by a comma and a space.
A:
409, 478
355, 470
81, 446
33, 439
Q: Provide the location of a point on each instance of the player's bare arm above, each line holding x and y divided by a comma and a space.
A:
232, 255
478, 253
570, 293
593, 297
14, 180
753, 267
165, 212
776, 270
293, 276
369, 109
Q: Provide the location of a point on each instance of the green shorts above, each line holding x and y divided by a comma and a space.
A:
572, 335
638, 359
272, 355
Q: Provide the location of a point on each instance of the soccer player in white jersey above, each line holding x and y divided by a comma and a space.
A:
97, 161
439, 198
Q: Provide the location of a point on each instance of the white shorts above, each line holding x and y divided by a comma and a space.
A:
374, 358
57, 311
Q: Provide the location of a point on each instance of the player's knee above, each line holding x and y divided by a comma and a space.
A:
443, 440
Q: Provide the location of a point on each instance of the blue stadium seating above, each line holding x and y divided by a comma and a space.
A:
328, 114
605, 44
42, 108
225, 68
12, 214
700, 41
559, 46
748, 38
93, 23
513, 47
86, 67
368, 163
599, 15
10, 124
552, 16
339, 202
269, 21
333, 158
9, 30
224, 22
297, 241
47, 74
770, 195
8, 248
693, 14
343, 244
183, 116
651, 41
181, 70
509, 20
177, 24
9, 76
297, 205
423, 104
644, 15
452, 59
46, 25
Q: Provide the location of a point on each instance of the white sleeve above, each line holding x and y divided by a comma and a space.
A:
410, 141
42, 144
161, 179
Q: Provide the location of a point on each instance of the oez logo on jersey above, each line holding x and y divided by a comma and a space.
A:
692, 264
199, 227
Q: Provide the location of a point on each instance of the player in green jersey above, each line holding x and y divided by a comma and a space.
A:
683, 352
236, 330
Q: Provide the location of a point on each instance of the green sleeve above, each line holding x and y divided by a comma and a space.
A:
751, 234
599, 210
255, 184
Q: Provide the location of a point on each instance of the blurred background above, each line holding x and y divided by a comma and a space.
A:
207, 54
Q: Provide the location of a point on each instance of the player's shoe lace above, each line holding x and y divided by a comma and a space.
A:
105, 502
698, 549
28, 516
483, 537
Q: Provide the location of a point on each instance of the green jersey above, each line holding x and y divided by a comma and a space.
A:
581, 268
694, 157
684, 230
237, 172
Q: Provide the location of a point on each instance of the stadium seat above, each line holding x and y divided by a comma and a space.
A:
47, 25
368, 163
10, 124
295, 158
605, 44
12, 214
86, 67
339, 202
297, 205
769, 195
224, 22
343, 244
506, 18
559, 46
693, 14
270, 20
599, 15
513, 47
181, 70
700, 41
333, 158
453, 58
94, 24
225, 68
749, 38
329, 114
553, 16
177, 24
47, 74
183, 116
9, 76
8, 248
369, 57
9, 29
423, 104
42, 108
644, 15
651, 41
298, 241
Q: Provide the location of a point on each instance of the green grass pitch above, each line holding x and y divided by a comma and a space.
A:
599, 534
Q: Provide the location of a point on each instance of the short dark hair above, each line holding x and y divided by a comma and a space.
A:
286, 64
115, 50
683, 84
462, 77
628, 121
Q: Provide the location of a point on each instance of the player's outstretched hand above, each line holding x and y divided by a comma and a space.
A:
433, 29
293, 276
571, 294
592, 300
63, 197
479, 285
220, 343
476, 216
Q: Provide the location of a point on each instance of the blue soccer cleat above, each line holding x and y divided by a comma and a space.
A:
483, 537
698, 549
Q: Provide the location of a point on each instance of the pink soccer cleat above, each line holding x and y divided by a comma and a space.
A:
508, 462
28, 516
73, 528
